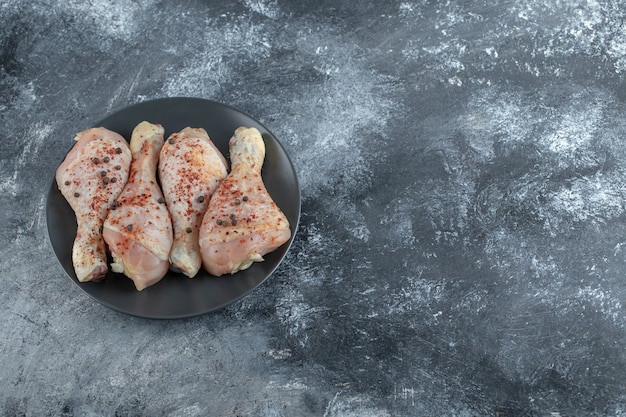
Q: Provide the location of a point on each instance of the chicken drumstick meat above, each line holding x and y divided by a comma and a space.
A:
242, 222
138, 228
190, 169
90, 178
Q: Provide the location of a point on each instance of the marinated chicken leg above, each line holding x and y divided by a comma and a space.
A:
90, 178
242, 222
138, 228
190, 169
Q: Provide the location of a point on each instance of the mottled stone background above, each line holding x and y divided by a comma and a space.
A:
462, 246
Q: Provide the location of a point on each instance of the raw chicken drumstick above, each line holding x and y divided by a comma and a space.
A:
90, 178
242, 222
138, 228
190, 169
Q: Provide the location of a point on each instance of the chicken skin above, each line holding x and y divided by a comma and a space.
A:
242, 222
138, 228
190, 169
90, 178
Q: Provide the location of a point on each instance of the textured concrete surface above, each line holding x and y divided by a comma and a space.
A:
462, 247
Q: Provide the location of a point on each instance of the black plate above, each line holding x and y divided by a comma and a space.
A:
177, 296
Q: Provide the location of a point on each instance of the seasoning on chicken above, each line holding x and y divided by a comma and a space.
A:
138, 228
242, 222
190, 169
90, 178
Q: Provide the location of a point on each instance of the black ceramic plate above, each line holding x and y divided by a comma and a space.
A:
177, 296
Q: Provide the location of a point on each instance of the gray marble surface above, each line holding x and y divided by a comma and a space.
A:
462, 245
